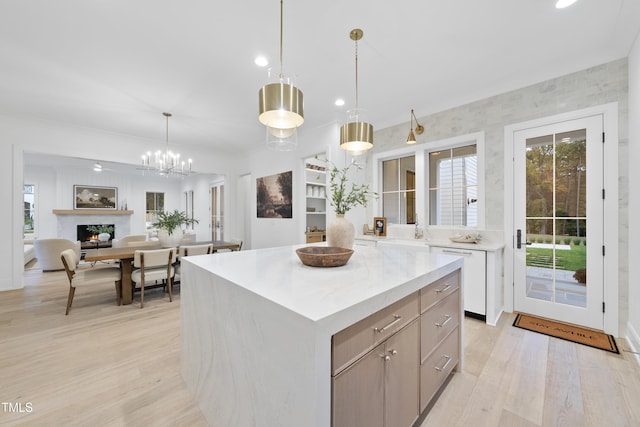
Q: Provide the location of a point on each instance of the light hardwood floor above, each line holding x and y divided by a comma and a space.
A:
105, 365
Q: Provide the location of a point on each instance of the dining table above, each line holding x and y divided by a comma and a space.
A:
126, 254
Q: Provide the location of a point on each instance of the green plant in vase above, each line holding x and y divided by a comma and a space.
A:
169, 225
343, 196
103, 231
171, 221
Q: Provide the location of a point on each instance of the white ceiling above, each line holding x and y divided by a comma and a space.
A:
116, 65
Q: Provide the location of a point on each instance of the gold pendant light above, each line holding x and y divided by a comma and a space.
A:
356, 136
281, 107
411, 139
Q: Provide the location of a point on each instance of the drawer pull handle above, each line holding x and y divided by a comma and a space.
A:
449, 251
445, 289
440, 369
393, 322
447, 319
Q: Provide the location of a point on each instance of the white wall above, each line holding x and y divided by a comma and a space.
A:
633, 332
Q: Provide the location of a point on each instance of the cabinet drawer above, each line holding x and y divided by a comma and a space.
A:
435, 370
438, 322
438, 290
356, 340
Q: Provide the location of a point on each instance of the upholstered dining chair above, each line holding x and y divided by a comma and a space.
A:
238, 242
153, 265
184, 251
87, 276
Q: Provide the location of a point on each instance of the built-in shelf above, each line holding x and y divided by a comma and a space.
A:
91, 212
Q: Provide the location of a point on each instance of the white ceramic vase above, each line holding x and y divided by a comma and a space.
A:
341, 232
104, 237
170, 240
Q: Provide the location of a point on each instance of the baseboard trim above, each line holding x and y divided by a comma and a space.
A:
633, 339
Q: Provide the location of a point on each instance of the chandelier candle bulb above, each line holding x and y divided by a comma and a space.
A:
166, 163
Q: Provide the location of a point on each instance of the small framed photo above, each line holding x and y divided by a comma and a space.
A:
91, 197
380, 226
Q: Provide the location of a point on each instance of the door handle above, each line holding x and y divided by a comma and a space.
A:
519, 239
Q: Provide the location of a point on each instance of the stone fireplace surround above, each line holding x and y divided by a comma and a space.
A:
68, 221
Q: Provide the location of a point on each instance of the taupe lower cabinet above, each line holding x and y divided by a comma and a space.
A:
387, 367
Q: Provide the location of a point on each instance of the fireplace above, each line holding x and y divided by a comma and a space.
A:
85, 235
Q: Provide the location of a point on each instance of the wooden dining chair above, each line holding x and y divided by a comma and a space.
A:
184, 251
88, 276
152, 266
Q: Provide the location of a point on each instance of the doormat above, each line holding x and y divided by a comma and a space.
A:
567, 332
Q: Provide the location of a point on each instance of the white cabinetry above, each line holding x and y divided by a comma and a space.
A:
316, 202
475, 279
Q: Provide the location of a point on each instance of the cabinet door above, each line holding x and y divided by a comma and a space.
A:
474, 280
402, 377
358, 392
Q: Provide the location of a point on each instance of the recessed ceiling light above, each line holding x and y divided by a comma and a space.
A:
561, 4
261, 61
339, 102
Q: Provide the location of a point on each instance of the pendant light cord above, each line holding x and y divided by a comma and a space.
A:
281, 31
357, 76
166, 150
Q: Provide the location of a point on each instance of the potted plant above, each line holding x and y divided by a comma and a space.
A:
103, 231
169, 225
342, 197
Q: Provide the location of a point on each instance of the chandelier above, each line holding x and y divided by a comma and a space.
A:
281, 108
356, 136
166, 163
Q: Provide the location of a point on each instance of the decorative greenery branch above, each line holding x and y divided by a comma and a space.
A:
170, 220
344, 197
99, 229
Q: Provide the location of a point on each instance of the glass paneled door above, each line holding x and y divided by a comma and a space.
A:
558, 182
217, 212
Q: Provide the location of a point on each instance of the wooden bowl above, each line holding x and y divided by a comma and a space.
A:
324, 256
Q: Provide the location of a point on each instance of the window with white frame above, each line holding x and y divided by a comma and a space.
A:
453, 186
29, 191
154, 205
399, 190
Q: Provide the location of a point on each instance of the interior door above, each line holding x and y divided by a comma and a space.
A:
217, 212
558, 219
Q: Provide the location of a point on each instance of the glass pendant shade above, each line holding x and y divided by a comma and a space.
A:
281, 106
282, 139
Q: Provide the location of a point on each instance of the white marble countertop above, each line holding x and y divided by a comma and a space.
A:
481, 246
373, 277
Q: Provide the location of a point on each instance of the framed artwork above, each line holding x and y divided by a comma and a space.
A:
273, 196
91, 197
380, 226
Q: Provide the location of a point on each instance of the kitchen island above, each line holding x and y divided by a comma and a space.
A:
258, 326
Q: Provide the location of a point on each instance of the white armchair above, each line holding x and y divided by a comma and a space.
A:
48, 252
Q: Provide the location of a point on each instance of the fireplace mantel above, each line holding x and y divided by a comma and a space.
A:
91, 212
